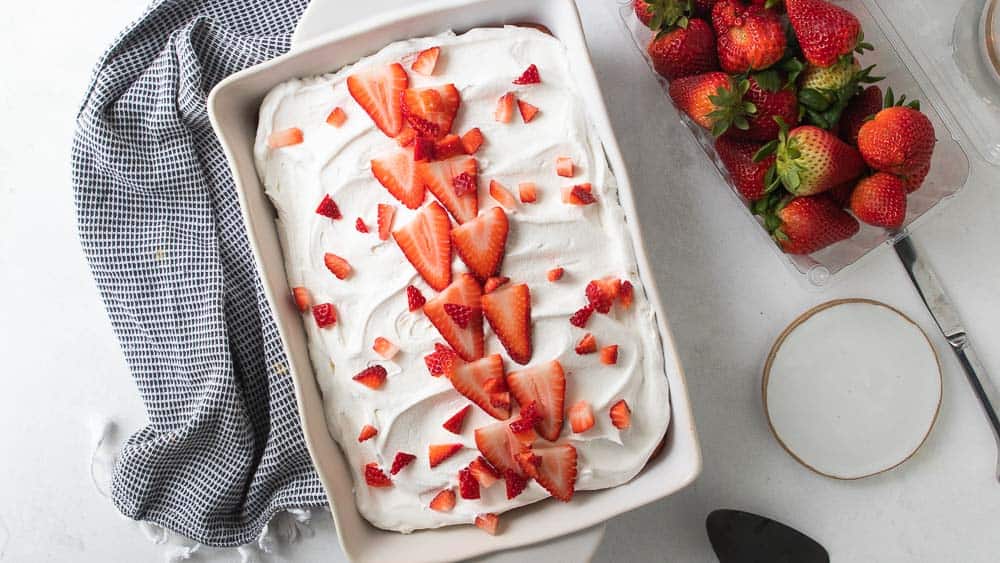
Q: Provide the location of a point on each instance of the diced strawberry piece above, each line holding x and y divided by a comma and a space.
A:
502, 195
564, 166
528, 462
337, 265
621, 415
437, 453
469, 379
466, 341
626, 294
401, 460
440, 361
480, 243
527, 110
508, 311
461, 314
581, 417
582, 315
426, 61
609, 355
378, 91
557, 471
483, 472
375, 477
528, 192
284, 138
494, 282
602, 293
386, 213
426, 243
528, 419
424, 149
337, 117
488, 522
431, 111
464, 184
580, 194
398, 174
439, 178
302, 299
454, 424
372, 377
546, 385
444, 501
468, 487
555, 274
406, 137
359, 224
505, 108
325, 315
587, 344
472, 140
450, 145
367, 431
516, 483
385, 348
529, 76
328, 208
500, 446
414, 299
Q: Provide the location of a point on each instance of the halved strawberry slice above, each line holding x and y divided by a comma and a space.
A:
472, 140
529, 76
454, 424
609, 355
621, 415
494, 282
546, 385
401, 460
385, 348
367, 432
505, 108
284, 138
375, 477
483, 472
378, 91
337, 265
439, 178
587, 344
469, 379
527, 110
302, 299
581, 417
426, 243
372, 377
430, 111
528, 192
468, 341
437, 453
396, 171
480, 242
557, 471
468, 487
386, 213
443, 501
426, 61
502, 195
488, 523
500, 446
508, 311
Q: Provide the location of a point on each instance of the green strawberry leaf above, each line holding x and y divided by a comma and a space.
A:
814, 99
766, 151
793, 67
769, 80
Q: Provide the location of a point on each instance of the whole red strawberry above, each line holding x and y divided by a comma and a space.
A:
713, 100
861, 107
825, 32
762, 126
754, 41
685, 49
899, 140
880, 200
725, 14
812, 160
805, 225
737, 157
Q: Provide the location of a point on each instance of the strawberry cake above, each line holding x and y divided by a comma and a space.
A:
469, 287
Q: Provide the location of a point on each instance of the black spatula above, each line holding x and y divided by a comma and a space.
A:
742, 537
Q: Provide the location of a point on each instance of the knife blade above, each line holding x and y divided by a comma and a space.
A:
742, 537
946, 316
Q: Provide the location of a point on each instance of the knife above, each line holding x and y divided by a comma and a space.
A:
743, 537
947, 319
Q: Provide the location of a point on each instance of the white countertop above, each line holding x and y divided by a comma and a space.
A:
726, 295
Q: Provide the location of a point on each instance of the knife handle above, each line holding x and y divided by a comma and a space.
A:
982, 385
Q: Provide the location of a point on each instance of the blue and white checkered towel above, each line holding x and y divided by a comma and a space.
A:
161, 227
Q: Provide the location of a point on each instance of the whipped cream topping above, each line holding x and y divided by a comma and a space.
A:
589, 242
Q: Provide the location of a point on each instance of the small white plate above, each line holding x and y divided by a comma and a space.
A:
852, 388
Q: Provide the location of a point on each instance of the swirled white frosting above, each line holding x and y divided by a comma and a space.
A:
588, 242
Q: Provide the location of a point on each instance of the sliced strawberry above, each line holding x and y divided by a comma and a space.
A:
527, 110
424, 149
437, 453
499, 445
472, 140
426, 61
555, 274
302, 299
337, 117
494, 282
401, 460
372, 377
480, 243
367, 431
557, 471
468, 341
328, 208
386, 213
461, 314
516, 483
454, 424
444, 501
564, 166
508, 311
378, 91
430, 111
285, 138
385, 348
483, 472
581, 417
587, 344
440, 360
439, 178
602, 293
337, 265
325, 315
502, 195
488, 522
426, 243
609, 355
527, 418
450, 145
529, 76
463, 184
528, 192
505, 108
468, 487
359, 224
469, 379
397, 173
582, 315
626, 294
545, 384
495, 385
375, 477
621, 415
580, 194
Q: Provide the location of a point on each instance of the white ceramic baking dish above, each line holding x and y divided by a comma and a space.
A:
233, 107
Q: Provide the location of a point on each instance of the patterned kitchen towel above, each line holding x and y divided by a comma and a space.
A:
162, 230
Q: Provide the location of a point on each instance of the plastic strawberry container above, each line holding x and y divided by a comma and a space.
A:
949, 166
